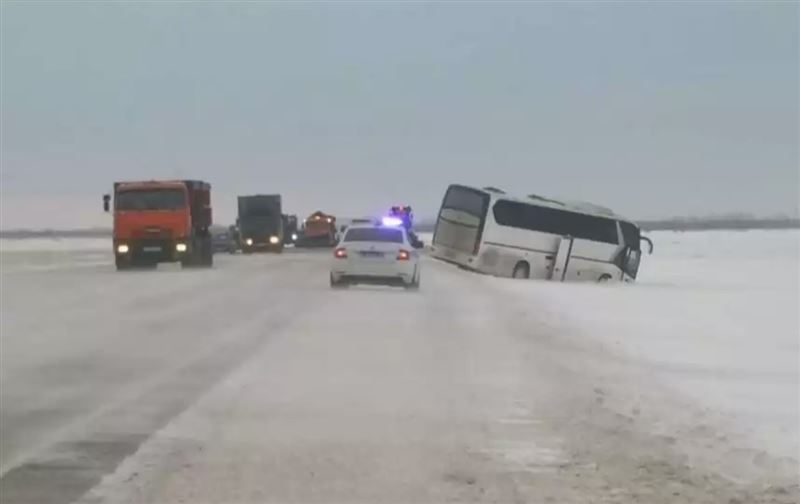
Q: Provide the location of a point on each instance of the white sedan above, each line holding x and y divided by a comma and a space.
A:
375, 254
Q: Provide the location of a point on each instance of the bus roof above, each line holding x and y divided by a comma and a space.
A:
535, 199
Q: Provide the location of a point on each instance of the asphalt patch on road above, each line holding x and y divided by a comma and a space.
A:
67, 470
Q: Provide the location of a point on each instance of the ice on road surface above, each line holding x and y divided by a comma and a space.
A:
254, 382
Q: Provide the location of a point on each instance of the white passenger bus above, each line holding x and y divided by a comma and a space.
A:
488, 231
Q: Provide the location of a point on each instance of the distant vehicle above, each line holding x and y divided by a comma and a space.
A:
488, 231
260, 223
319, 230
405, 216
375, 254
161, 221
290, 231
226, 240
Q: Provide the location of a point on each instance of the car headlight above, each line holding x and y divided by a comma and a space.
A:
180, 247
294, 236
274, 240
122, 248
249, 241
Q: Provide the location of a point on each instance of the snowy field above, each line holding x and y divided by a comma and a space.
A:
714, 317
253, 382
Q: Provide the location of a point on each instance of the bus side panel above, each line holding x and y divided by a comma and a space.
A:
590, 260
503, 247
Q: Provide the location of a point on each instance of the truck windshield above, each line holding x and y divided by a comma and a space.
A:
374, 235
257, 207
151, 199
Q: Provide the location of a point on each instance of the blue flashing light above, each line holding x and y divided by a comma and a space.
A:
391, 221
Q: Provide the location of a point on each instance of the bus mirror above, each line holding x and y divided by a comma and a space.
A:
106, 202
649, 243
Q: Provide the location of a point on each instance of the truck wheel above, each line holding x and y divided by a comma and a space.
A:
209, 258
195, 257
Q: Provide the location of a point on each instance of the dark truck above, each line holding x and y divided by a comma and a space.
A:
260, 223
161, 221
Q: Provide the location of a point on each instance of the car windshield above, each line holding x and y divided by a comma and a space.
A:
374, 234
151, 199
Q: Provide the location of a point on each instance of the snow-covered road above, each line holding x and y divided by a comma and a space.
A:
254, 382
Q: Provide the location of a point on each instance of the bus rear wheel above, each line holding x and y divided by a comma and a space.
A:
521, 271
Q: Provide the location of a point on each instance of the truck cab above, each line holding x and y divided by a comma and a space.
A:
161, 221
319, 230
261, 223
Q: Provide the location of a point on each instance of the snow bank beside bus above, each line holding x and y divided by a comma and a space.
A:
714, 321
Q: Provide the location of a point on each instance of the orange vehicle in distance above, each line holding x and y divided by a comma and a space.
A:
319, 230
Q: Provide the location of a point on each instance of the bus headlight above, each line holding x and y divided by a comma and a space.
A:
122, 248
180, 247
249, 241
274, 240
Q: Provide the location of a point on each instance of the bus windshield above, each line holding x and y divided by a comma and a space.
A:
151, 199
466, 200
461, 219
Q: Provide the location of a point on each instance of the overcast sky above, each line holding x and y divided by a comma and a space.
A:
657, 109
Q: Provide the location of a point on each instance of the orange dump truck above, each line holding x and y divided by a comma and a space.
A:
161, 221
319, 230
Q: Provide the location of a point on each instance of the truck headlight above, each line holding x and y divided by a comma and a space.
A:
249, 241
274, 240
180, 247
122, 248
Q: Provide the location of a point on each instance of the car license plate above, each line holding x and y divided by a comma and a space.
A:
372, 254
151, 249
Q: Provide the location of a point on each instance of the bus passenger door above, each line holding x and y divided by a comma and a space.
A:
561, 262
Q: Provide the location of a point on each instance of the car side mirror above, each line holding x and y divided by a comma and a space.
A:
106, 202
418, 244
